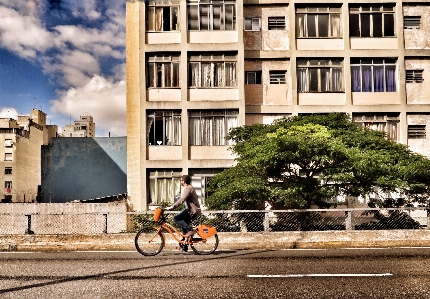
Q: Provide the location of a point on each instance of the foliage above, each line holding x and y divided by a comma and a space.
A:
304, 160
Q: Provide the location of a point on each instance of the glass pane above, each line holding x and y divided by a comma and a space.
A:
313, 80
175, 18
167, 75
150, 19
175, 75
335, 25
323, 25
337, 79
204, 17
354, 25
151, 75
325, 79
311, 25
390, 77
300, 26
302, 85
365, 25
377, 25
366, 78
216, 17
378, 78
193, 17
388, 24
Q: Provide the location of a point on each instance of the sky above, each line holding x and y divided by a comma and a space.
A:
66, 58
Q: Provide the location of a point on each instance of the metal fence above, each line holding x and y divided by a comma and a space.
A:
225, 221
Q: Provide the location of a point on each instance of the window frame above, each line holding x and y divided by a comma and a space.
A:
374, 16
204, 8
203, 70
414, 76
8, 156
170, 127
163, 6
163, 71
204, 122
252, 22
277, 77
389, 65
411, 22
382, 122
8, 170
303, 14
256, 75
417, 132
307, 69
276, 23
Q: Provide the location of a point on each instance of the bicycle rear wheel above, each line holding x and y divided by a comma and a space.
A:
149, 243
205, 246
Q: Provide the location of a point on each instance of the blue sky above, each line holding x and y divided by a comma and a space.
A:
65, 57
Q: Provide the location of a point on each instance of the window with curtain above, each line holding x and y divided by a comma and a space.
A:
372, 20
319, 75
318, 22
200, 178
373, 75
164, 128
212, 70
162, 15
388, 123
252, 24
163, 70
211, 15
210, 128
164, 186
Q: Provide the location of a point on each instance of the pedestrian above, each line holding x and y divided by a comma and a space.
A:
192, 207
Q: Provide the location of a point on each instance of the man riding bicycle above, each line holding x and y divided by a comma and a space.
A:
192, 207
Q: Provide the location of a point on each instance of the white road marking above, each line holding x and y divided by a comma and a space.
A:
324, 275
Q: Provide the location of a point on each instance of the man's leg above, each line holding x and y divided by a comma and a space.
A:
183, 219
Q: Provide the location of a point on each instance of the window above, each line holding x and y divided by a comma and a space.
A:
322, 75
252, 24
371, 20
211, 15
387, 123
164, 128
414, 76
211, 127
164, 186
318, 22
277, 77
8, 143
212, 71
163, 71
373, 75
8, 157
276, 23
200, 178
162, 15
412, 22
417, 132
253, 77
8, 186
8, 170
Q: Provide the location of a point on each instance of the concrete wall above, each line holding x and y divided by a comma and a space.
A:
83, 168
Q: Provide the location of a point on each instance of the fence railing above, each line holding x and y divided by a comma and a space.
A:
225, 221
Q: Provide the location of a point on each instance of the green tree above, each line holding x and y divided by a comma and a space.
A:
304, 160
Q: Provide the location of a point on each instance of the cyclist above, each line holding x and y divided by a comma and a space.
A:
192, 207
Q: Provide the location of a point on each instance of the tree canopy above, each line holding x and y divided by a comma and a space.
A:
303, 160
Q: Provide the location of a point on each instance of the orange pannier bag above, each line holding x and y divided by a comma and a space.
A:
206, 231
157, 214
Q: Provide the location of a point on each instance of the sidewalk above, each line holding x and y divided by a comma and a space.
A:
273, 240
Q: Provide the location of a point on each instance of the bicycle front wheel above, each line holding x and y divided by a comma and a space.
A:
205, 246
149, 243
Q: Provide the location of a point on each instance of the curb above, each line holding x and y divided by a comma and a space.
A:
262, 241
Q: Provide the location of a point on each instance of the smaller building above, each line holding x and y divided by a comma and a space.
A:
20, 147
85, 127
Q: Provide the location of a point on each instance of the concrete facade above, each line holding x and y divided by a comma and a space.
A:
20, 153
264, 59
83, 168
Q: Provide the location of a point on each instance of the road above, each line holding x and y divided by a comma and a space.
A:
341, 273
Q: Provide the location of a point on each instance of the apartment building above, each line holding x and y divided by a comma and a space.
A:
84, 127
196, 68
20, 153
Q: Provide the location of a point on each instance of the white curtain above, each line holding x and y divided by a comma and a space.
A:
335, 25
230, 72
300, 26
302, 82
337, 79
195, 74
206, 74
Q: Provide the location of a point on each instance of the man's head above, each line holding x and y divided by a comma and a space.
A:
186, 179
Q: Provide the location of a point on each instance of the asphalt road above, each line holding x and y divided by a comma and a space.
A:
341, 273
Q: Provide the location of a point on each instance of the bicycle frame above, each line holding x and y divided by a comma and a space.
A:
171, 230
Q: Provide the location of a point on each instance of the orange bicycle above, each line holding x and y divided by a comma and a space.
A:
151, 241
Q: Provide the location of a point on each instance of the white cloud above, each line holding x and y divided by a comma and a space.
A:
22, 34
101, 98
6, 112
